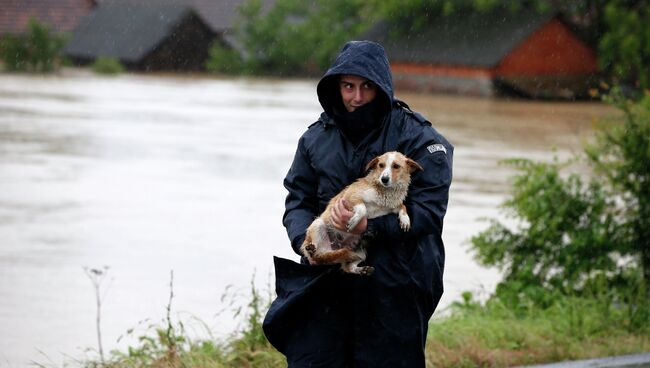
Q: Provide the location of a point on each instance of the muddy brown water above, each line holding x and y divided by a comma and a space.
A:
149, 174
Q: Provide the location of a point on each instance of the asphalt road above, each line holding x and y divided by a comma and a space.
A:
623, 361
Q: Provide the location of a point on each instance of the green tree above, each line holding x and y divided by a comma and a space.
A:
569, 235
38, 49
294, 37
624, 48
621, 157
224, 59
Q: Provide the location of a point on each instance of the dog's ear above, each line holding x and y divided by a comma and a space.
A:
413, 166
372, 164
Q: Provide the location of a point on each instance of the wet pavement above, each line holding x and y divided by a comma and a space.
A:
623, 361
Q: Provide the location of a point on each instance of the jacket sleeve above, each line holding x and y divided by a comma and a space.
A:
426, 202
301, 204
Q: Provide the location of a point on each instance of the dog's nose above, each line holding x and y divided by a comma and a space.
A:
385, 180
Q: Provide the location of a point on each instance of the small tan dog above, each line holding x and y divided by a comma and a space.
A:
380, 192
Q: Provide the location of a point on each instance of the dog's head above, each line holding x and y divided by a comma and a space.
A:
392, 169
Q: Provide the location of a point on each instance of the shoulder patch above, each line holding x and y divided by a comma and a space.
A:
436, 148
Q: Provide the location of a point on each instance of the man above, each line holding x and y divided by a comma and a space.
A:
326, 318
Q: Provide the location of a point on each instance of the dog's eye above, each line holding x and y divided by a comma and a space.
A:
396, 166
381, 166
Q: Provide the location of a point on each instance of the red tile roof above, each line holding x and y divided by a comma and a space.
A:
60, 15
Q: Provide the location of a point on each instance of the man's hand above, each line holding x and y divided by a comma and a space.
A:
341, 215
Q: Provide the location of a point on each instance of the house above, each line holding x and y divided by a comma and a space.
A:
530, 54
148, 35
60, 15
155, 34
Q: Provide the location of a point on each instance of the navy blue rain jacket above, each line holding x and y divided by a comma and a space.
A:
322, 316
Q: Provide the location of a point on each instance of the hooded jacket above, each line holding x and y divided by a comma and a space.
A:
388, 311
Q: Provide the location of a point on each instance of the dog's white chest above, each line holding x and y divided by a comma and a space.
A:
377, 205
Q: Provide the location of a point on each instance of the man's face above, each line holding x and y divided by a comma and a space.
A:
356, 91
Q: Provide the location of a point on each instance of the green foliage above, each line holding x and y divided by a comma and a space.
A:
225, 60
38, 50
296, 37
621, 157
410, 15
624, 48
569, 237
565, 233
107, 65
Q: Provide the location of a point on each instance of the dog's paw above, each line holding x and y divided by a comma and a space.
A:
354, 221
404, 222
366, 270
310, 249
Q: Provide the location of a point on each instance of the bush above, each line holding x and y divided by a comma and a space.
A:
574, 237
107, 65
38, 50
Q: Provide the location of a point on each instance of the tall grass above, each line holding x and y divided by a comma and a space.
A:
169, 345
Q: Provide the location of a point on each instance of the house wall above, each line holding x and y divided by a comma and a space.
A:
551, 63
186, 48
443, 79
552, 50
59, 15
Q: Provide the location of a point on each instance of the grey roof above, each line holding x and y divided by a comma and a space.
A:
126, 30
469, 40
221, 15
130, 29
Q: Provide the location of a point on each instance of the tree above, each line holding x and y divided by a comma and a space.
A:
622, 157
296, 37
36, 50
624, 48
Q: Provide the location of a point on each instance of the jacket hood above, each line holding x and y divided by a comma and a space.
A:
366, 59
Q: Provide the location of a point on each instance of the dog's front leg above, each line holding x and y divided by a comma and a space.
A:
404, 219
360, 211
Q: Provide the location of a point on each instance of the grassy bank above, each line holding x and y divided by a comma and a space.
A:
469, 335
572, 328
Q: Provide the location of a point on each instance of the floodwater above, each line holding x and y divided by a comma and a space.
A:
152, 174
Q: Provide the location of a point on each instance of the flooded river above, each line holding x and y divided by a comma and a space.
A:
146, 175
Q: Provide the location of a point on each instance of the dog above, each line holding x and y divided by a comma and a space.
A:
380, 192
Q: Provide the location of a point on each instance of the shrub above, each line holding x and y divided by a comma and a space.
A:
107, 65
37, 50
576, 236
